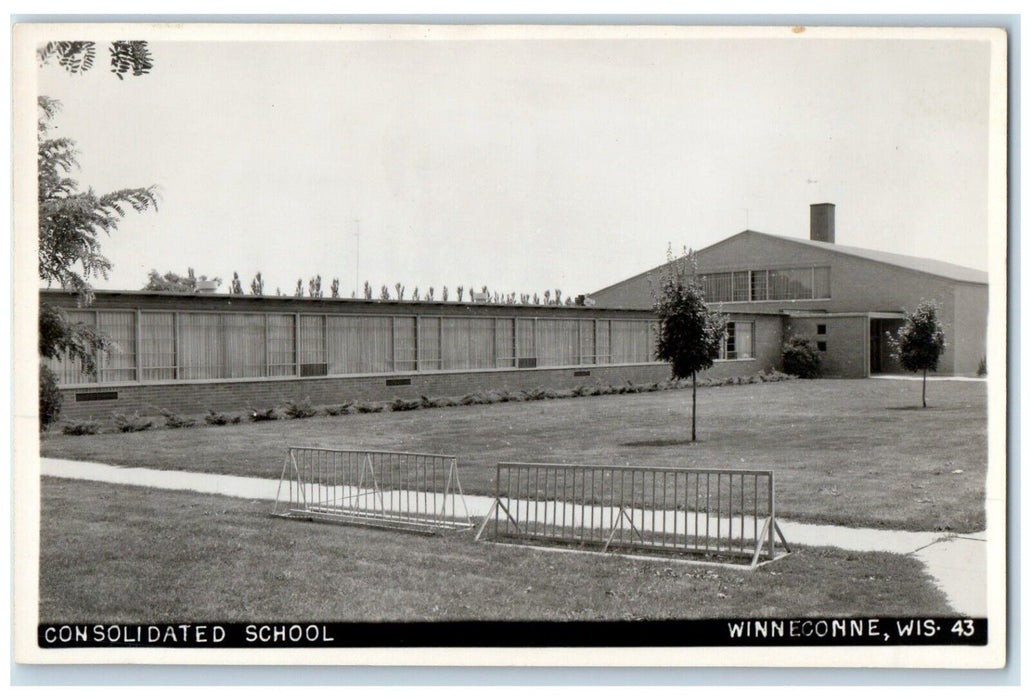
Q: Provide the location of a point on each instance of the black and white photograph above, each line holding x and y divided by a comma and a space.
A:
500, 344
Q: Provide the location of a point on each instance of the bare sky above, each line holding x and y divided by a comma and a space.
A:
524, 165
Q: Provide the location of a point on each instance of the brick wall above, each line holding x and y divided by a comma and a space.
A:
847, 341
230, 396
238, 396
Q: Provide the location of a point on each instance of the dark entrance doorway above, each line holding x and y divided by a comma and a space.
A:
881, 361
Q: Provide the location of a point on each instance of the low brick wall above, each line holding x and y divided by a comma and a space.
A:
199, 397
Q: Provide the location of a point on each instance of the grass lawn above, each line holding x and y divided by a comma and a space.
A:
127, 554
847, 452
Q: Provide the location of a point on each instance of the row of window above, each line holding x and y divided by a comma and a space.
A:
165, 346
785, 284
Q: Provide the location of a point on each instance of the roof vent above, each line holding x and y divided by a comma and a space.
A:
821, 222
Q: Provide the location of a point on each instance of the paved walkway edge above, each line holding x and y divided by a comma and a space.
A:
957, 563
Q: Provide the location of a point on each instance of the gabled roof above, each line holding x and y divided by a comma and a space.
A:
910, 262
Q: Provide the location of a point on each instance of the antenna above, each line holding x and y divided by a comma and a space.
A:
357, 251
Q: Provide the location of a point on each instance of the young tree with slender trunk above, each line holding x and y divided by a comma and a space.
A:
920, 342
690, 333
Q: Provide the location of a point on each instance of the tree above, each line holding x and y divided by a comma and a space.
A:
920, 342
690, 333
70, 220
258, 285
334, 288
236, 286
315, 287
70, 224
172, 282
78, 56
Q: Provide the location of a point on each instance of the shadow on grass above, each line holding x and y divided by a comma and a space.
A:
656, 443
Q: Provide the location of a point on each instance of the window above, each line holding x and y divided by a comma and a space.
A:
602, 344
467, 343
429, 343
118, 362
526, 343
587, 342
404, 344
242, 345
157, 346
630, 341
738, 342
759, 280
558, 343
280, 343
821, 345
70, 371
718, 286
740, 285
504, 341
163, 346
313, 346
821, 329
783, 284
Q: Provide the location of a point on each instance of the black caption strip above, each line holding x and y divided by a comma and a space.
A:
883, 631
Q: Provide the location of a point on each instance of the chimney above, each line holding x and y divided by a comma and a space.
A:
821, 222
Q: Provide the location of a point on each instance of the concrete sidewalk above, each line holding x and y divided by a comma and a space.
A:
958, 564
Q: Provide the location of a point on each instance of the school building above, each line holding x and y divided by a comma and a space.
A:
845, 299
194, 352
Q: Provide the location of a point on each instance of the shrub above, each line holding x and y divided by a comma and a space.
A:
341, 410
131, 424
174, 420
476, 398
982, 368
213, 418
300, 409
49, 398
494, 396
363, 407
262, 414
801, 358
86, 427
405, 404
